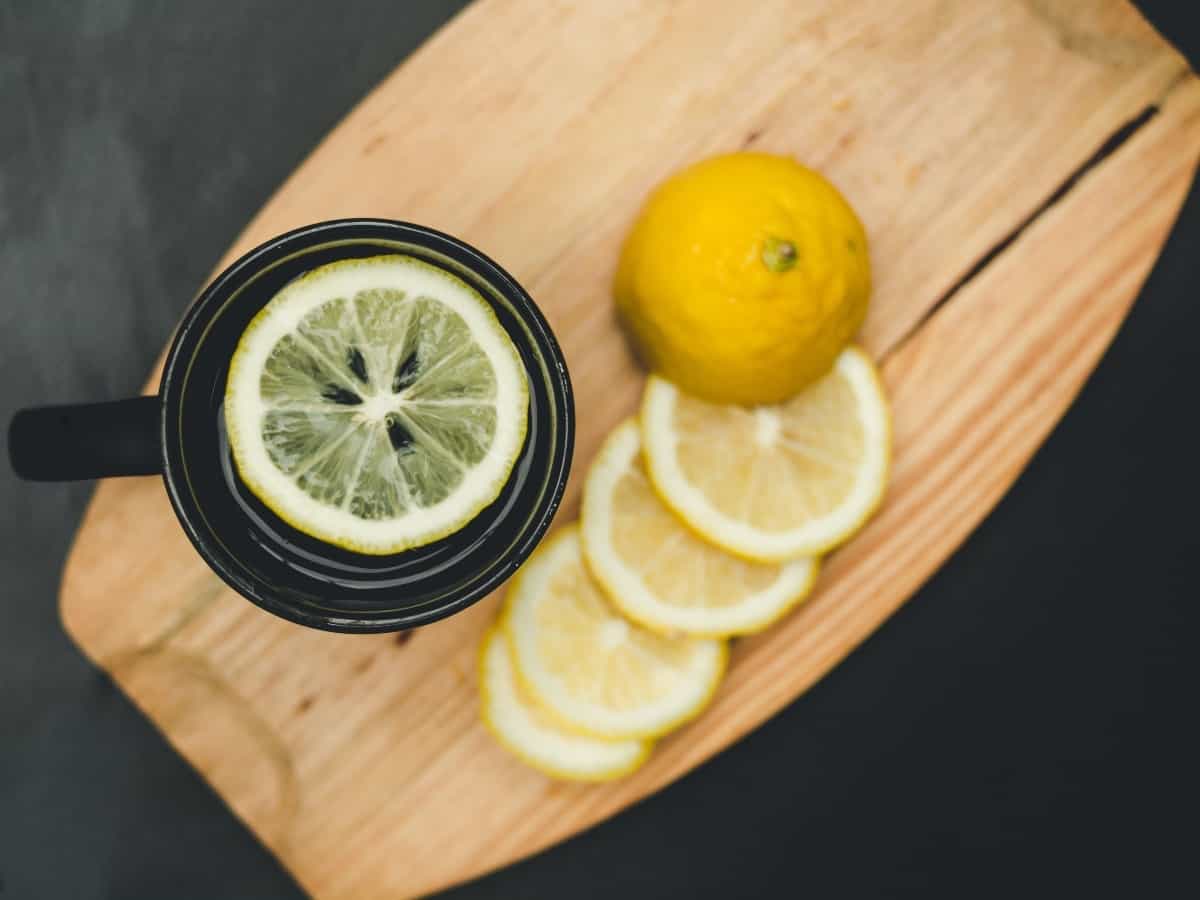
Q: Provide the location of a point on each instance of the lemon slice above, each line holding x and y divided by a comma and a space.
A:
658, 572
591, 669
773, 483
532, 736
376, 404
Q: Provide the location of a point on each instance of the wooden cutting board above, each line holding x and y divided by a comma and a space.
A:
1017, 165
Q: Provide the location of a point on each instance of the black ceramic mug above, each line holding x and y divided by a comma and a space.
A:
180, 434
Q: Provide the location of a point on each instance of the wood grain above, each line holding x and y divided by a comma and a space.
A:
532, 130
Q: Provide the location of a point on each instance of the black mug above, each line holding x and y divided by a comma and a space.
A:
180, 434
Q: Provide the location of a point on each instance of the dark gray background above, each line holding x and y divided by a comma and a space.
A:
1020, 726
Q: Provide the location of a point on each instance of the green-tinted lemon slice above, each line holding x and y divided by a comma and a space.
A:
376, 404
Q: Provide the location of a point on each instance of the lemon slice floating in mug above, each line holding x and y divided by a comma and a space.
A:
376, 404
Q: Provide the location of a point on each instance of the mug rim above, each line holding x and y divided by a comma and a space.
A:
209, 303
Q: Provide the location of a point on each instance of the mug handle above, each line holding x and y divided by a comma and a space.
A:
88, 440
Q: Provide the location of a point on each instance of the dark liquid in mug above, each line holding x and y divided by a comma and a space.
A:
303, 569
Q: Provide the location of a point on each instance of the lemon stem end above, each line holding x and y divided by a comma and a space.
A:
779, 255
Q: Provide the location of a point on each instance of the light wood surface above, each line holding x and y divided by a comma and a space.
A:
533, 129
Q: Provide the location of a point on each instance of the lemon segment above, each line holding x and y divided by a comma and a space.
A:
376, 404
662, 575
779, 482
595, 672
526, 731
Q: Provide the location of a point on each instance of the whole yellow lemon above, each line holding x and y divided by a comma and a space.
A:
743, 278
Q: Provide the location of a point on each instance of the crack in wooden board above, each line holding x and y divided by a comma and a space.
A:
1111, 144
934, 131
